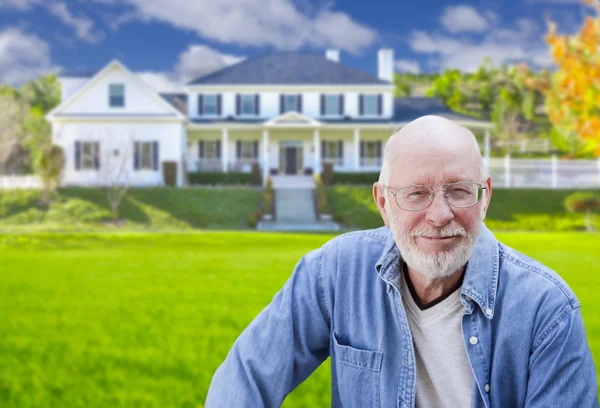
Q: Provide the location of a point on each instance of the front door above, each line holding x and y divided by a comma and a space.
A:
291, 157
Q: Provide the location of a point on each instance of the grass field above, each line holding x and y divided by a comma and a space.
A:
144, 319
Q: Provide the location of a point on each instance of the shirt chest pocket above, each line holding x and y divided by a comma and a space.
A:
357, 375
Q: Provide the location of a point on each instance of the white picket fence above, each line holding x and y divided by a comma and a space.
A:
14, 182
539, 173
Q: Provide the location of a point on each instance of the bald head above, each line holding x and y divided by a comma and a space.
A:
430, 138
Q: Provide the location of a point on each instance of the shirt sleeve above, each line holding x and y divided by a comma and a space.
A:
561, 368
281, 347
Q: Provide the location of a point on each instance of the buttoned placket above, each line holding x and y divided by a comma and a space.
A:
478, 358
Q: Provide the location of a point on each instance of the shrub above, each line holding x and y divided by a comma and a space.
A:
355, 178
322, 204
215, 178
327, 174
169, 173
585, 203
253, 218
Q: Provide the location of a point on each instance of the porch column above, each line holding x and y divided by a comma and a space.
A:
265, 155
225, 149
357, 149
486, 152
317, 145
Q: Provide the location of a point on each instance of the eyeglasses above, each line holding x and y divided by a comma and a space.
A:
462, 194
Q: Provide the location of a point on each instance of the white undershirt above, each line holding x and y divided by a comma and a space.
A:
444, 376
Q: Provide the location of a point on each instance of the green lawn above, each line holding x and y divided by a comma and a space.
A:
144, 319
510, 209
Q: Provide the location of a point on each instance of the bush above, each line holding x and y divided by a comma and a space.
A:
327, 174
584, 203
215, 178
322, 204
355, 178
169, 169
268, 197
253, 218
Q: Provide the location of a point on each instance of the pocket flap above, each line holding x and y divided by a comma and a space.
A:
370, 360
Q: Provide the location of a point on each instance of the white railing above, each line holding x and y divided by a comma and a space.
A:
527, 146
336, 161
539, 173
13, 182
371, 161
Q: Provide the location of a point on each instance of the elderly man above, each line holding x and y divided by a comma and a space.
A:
429, 311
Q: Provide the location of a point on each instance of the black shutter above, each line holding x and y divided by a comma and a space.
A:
155, 155
256, 149
378, 148
238, 103
379, 104
256, 105
136, 155
322, 104
362, 150
299, 103
342, 104
238, 149
96, 155
77, 155
219, 105
218, 149
361, 104
323, 150
340, 149
281, 103
200, 105
201, 149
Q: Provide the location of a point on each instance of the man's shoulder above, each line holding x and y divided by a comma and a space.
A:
530, 275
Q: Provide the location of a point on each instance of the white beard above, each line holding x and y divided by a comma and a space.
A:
440, 264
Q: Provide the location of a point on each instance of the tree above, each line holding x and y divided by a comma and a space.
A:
51, 166
573, 91
113, 173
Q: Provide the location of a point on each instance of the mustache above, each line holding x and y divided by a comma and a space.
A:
446, 231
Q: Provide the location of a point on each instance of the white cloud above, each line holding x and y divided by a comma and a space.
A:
194, 62
84, 26
22, 57
408, 66
18, 4
277, 23
523, 42
462, 18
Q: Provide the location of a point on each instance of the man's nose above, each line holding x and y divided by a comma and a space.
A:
439, 212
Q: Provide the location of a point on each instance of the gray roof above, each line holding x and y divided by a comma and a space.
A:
289, 68
179, 101
74, 73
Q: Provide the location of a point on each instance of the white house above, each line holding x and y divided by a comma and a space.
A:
288, 112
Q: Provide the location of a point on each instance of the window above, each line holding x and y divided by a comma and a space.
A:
88, 156
146, 156
290, 103
370, 153
210, 149
370, 105
209, 105
116, 98
333, 151
248, 107
332, 105
247, 149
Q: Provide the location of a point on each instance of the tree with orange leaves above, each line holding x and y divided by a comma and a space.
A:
573, 92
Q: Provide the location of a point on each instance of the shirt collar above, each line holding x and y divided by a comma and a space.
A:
481, 276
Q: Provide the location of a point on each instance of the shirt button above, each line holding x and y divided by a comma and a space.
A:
473, 340
468, 299
487, 388
488, 311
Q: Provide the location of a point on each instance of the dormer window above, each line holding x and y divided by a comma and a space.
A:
116, 95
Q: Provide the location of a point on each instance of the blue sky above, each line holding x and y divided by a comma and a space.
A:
169, 43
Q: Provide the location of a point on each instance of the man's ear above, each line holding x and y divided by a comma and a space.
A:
379, 197
488, 195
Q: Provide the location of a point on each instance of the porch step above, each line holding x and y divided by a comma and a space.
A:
290, 226
294, 205
293, 182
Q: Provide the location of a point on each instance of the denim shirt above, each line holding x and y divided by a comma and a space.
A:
522, 329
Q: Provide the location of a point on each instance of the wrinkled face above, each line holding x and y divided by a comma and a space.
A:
438, 240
